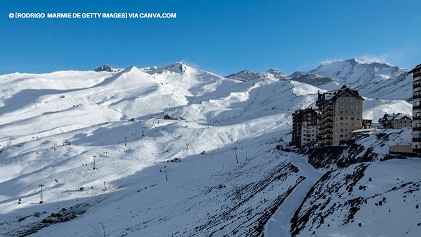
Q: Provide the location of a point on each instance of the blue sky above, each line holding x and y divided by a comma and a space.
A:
220, 36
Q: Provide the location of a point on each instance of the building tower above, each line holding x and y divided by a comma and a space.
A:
416, 110
304, 127
340, 114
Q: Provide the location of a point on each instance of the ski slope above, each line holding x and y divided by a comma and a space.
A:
212, 169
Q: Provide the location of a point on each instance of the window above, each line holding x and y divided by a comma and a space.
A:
342, 118
352, 118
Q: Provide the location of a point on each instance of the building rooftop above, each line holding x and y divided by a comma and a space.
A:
334, 94
397, 116
417, 68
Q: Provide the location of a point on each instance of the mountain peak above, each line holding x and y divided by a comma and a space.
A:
106, 68
360, 61
177, 67
131, 68
245, 75
276, 73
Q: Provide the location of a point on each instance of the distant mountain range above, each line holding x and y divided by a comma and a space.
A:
374, 79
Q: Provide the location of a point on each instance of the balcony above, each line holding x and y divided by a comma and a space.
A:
416, 139
416, 129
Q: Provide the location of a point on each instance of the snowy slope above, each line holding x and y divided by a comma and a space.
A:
221, 120
363, 148
369, 199
375, 109
232, 180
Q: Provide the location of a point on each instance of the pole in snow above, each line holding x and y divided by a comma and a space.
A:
236, 157
94, 163
41, 201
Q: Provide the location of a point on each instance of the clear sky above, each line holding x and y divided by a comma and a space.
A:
221, 36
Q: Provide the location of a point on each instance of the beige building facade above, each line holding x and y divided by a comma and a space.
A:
340, 114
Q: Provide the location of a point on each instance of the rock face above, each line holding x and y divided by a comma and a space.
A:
106, 68
247, 75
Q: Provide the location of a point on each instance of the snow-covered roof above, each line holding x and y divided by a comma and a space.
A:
397, 116
364, 131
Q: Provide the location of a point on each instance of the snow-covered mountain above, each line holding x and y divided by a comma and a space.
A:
373, 79
217, 167
357, 72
